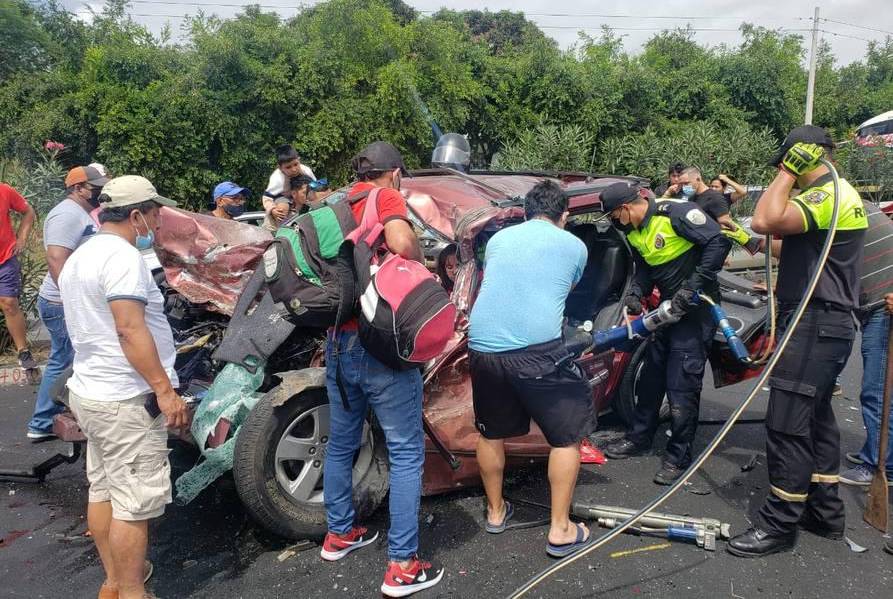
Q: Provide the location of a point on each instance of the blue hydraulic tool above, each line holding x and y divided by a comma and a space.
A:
618, 337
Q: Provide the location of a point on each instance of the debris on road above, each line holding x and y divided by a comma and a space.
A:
64, 538
293, 550
751, 463
697, 489
617, 554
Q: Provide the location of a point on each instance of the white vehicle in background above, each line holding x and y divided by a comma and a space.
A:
876, 131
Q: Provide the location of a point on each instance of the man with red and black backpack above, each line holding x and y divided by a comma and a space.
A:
395, 396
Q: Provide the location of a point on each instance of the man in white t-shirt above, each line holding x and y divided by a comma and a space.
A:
122, 390
278, 187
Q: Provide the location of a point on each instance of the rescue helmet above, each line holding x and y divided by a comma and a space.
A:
452, 151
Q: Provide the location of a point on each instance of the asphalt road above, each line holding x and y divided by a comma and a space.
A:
211, 549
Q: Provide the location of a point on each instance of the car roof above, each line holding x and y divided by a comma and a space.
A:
479, 189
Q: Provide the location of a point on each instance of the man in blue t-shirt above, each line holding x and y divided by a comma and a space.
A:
517, 358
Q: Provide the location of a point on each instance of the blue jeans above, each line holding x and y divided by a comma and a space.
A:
61, 356
874, 367
396, 399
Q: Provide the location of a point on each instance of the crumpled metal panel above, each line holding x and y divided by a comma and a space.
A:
297, 381
208, 259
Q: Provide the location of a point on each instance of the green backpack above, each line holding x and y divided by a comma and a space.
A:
308, 269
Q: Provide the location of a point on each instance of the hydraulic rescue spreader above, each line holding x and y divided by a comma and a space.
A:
663, 315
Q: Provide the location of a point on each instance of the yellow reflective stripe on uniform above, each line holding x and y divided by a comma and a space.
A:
825, 478
793, 497
819, 201
657, 242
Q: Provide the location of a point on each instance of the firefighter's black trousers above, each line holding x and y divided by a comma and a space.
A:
803, 442
674, 365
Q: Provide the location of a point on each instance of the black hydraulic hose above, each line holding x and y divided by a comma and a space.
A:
721, 434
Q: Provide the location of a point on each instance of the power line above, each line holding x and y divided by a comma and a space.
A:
845, 35
531, 14
631, 28
857, 26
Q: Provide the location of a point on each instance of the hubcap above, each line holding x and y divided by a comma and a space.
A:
301, 453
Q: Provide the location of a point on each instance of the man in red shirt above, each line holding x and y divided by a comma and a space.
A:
395, 396
11, 243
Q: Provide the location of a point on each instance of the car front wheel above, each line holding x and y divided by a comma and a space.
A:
628, 394
278, 465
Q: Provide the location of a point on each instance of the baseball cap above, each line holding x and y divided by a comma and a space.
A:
808, 134
228, 188
130, 190
618, 194
85, 174
99, 167
378, 156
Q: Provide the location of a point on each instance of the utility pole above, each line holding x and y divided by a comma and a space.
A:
810, 84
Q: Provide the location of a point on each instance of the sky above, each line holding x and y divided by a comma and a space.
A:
846, 24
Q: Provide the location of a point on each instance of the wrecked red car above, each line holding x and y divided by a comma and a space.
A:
221, 314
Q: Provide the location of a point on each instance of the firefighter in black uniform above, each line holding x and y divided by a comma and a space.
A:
680, 249
802, 439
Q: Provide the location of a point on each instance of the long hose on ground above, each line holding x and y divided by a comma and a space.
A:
711, 447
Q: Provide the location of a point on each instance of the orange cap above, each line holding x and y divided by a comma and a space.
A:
85, 174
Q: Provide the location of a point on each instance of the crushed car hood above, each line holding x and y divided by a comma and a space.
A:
208, 259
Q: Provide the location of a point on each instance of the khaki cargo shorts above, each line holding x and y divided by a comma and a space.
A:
126, 456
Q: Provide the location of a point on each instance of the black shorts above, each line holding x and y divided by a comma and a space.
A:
510, 388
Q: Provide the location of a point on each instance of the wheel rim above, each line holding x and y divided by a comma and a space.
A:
301, 453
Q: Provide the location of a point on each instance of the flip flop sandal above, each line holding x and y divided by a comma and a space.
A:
148, 570
566, 549
501, 527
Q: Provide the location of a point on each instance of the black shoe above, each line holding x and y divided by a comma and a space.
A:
888, 547
757, 543
668, 474
625, 449
811, 524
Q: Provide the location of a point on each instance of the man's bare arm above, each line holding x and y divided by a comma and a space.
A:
25, 228
139, 349
401, 240
56, 257
774, 213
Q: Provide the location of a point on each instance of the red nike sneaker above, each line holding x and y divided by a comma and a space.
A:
402, 582
336, 546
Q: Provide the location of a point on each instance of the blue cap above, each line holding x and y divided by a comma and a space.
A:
228, 188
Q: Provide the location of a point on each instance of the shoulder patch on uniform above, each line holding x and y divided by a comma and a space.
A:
816, 196
696, 217
663, 207
659, 242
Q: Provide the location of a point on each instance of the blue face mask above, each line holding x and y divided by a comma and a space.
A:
144, 242
688, 191
234, 210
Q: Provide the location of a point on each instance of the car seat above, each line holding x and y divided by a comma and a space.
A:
603, 277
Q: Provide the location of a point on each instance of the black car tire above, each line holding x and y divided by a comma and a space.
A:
260, 487
624, 404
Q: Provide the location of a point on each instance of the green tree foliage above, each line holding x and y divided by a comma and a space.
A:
341, 73
713, 147
548, 147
